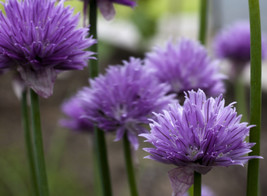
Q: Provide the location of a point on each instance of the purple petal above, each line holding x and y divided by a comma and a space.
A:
119, 134
181, 179
133, 140
18, 86
125, 2
41, 81
107, 9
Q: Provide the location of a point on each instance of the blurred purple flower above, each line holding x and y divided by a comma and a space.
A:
205, 191
201, 134
233, 43
40, 39
106, 7
185, 65
123, 99
72, 108
18, 85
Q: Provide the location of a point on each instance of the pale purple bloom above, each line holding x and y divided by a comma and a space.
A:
185, 65
123, 99
205, 191
106, 7
18, 86
201, 134
233, 43
39, 39
75, 120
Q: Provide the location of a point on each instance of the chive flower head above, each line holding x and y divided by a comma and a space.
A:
185, 65
233, 43
124, 98
39, 39
201, 134
74, 120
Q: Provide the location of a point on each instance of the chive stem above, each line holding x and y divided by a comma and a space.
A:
197, 184
28, 141
99, 136
203, 17
255, 96
38, 152
102, 161
129, 166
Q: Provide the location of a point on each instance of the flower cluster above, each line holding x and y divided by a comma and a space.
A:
233, 43
123, 99
40, 39
185, 65
201, 134
72, 108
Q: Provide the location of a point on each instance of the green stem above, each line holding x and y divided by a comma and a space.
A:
99, 136
191, 191
28, 141
38, 152
129, 165
197, 184
203, 15
240, 96
102, 159
93, 63
97, 181
255, 96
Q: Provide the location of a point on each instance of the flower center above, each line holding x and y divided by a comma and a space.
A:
193, 151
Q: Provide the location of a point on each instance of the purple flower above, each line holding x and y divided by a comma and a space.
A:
106, 7
123, 99
205, 191
185, 65
201, 134
233, 43
72, 108
40, 39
